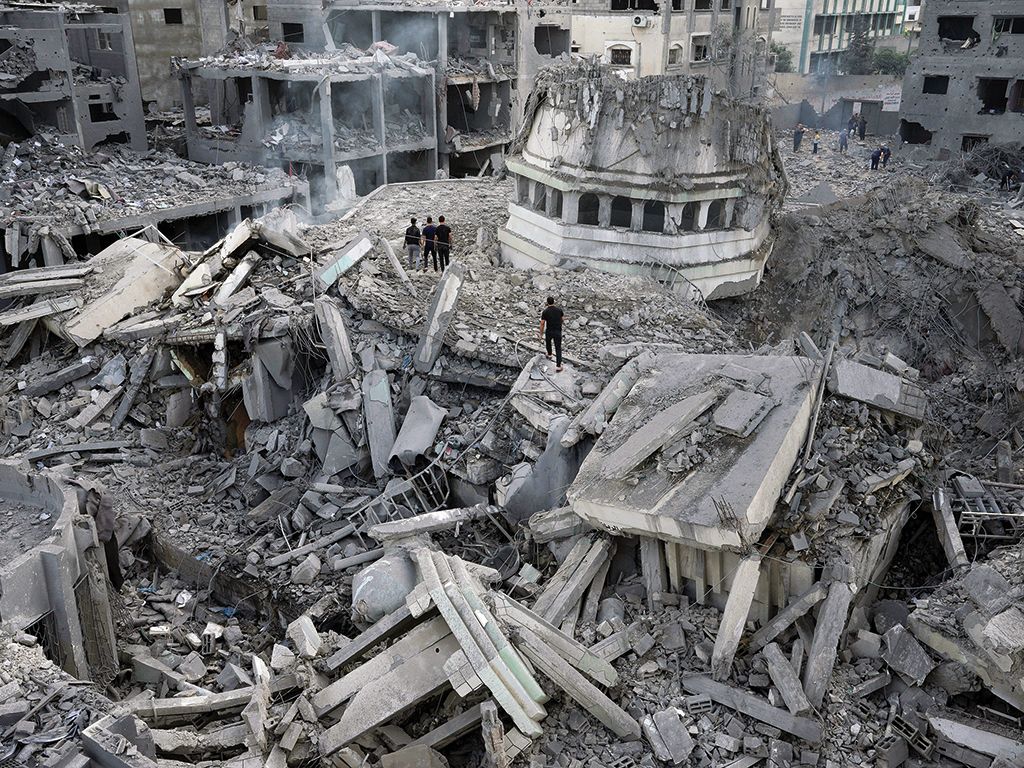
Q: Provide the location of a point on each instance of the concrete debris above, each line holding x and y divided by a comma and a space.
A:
288, 501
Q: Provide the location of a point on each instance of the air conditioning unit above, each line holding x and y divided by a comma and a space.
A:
641, 21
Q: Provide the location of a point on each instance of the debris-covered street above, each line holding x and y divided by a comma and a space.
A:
276, 491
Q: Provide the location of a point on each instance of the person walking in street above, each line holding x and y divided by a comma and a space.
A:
815, 142
429, 243
551, 329
798, 136
443, 234
875, 157
412, 244
886, 154
862, 127
844, 141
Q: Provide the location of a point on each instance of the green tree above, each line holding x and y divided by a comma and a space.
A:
857, 58
889, 62
783, 58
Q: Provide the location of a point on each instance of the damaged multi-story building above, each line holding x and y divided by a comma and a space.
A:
965, 85
69, 69
411, 90
659, 176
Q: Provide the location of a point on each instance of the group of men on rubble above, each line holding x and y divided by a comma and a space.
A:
856, 125
434, 240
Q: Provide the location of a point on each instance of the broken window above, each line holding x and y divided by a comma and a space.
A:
766, 5
259, 13
550, 40
725, 5
677, 5
104, 41
992, 92
702, 5
588, 209
654, 216
935, 84
523, 190
620, 5
700, 48
1008, 25
292, 32
969, 142
716, 215
173, 16
622, 212
957, 28
102, 113
914, 133
675, 54
478, 37
620, 56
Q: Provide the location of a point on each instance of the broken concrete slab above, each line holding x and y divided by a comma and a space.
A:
337, 262
439, 317
821, 656
786, 679
905, 656
801, 727
883, 390
419, 429
335, 336
379, 415
734, 617
304, 637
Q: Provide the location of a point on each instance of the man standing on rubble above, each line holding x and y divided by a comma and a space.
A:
844, 141
798, 136
862, 127
429, 243
443, 234
886, 154
551, 329
412, 244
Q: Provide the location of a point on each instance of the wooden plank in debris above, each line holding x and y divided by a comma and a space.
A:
92, 447
821, 656
39, 309
582, 691
784, 618
323, 541
39, 287
755, 707
186, 707
450, 730
18, 339
557, 582
391, 625
572, 591
91, 412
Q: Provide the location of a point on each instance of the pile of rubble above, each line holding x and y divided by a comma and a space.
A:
346, 59
364, 521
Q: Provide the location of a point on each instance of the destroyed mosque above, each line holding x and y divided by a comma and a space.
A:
678, 444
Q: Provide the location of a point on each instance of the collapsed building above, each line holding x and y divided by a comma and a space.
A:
411, 89
659, 176
964, 86
69, 70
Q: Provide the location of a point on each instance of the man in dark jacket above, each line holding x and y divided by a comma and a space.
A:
551, 329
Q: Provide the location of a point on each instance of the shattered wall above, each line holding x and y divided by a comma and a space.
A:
658, 176
966, 83
80, 80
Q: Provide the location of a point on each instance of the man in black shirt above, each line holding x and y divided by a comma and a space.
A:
429, 243
412, 244
551, 328
443, 236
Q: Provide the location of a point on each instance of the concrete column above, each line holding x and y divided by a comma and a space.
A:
571, 207
60, 592
637, 218
327, 129
375, 25
702, 214
549, 205
673, 215
189, 106
604, 210
430, 117
730, 206
378, 124
442, 93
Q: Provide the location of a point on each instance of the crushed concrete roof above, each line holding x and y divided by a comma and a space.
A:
270, 57
50, 183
